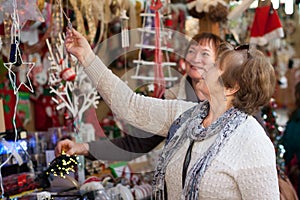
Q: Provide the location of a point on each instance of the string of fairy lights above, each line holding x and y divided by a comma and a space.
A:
61, 165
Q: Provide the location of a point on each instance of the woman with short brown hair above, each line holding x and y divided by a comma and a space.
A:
256, 77
215, 148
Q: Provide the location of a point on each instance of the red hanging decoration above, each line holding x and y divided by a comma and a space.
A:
159, 81
155, 5
266, 26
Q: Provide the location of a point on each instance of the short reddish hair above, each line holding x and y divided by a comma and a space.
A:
205, 38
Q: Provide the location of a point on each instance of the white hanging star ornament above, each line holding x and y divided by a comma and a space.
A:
27, 66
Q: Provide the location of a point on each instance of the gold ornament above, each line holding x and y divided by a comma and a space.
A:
79, 19
87, 10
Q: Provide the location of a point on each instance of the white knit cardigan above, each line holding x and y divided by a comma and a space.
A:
244, 169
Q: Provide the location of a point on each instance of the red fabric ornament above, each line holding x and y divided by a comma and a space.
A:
68, 74
169, 22
159, 81
266, 26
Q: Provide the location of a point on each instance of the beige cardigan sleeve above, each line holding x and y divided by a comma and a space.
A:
150, 114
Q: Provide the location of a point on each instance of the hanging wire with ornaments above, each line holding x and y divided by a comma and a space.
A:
15, 64
72, 91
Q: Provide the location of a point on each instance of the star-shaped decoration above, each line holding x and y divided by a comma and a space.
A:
26, 10
26, 67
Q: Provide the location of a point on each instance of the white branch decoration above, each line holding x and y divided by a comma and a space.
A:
72, 88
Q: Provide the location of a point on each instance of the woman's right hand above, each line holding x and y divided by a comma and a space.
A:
77, 45
71, 148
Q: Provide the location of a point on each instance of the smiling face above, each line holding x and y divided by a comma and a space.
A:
200, 53
197, 57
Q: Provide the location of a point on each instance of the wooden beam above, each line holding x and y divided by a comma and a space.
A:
206, 25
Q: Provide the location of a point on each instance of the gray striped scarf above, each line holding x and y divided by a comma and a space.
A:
192, 119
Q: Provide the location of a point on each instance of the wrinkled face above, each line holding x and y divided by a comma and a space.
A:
197, 57
210, 84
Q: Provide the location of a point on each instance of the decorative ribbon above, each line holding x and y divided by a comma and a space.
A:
159, 81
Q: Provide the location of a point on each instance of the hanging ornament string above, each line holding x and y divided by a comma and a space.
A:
12, 149
124, 31
76, 121
159, 81
15, 60
63, 12
15, 53
125, 39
